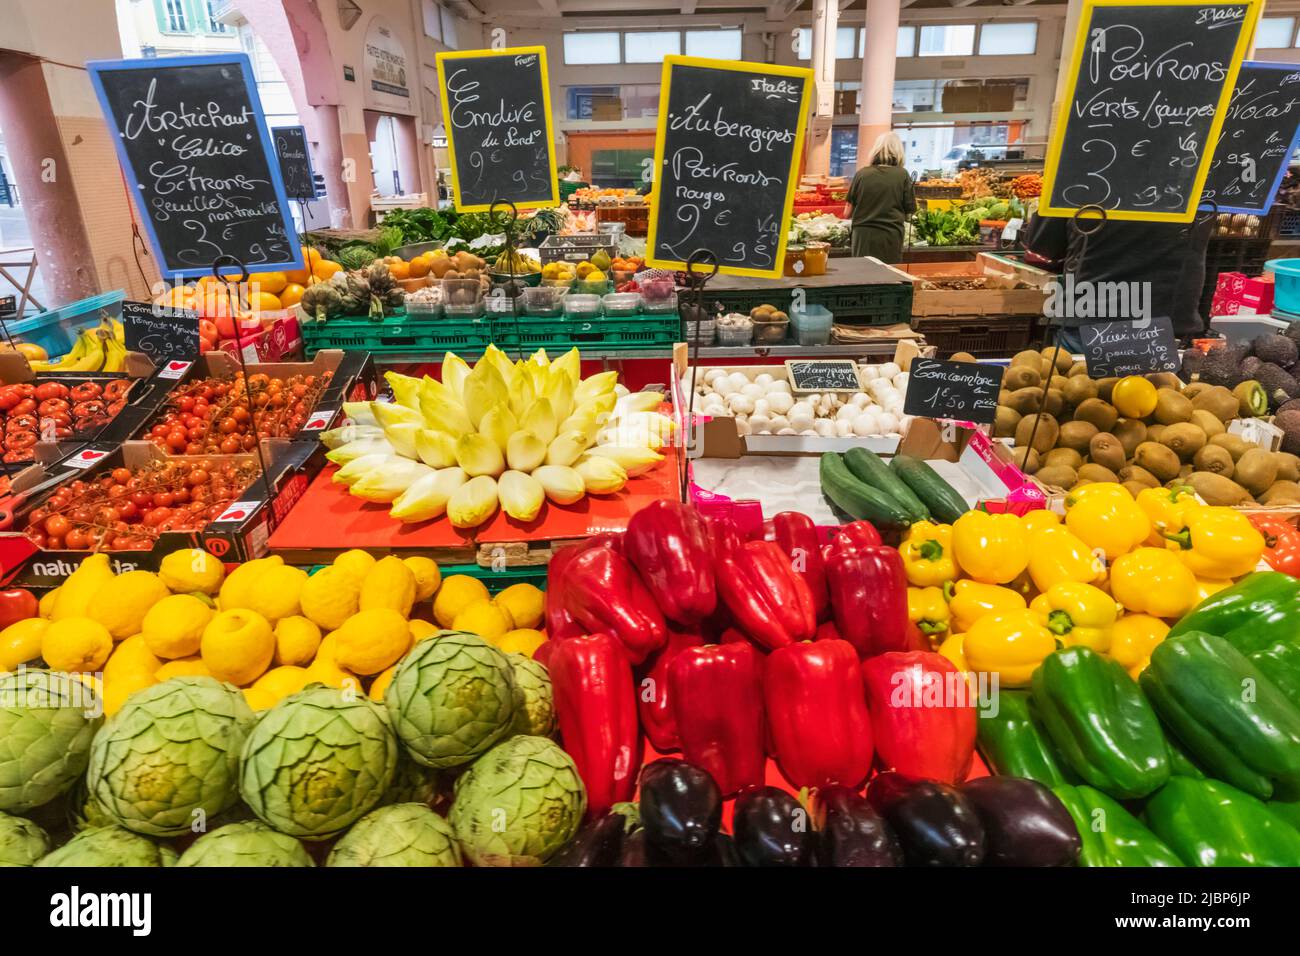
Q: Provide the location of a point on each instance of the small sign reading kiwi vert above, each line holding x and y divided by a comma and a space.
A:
1116, 349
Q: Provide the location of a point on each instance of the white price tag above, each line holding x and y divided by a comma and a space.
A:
85, 459
1012, 229
238, 511
175, 369
319, 419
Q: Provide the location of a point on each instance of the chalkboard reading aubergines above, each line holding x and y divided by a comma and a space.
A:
1260, 132
726, 157
496, 106
160, 332
961, 391
1116, 349
196, 152
1149, 86
295, 162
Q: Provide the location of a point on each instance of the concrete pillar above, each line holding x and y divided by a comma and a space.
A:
330, 165
876, 103
45, 182
408, 154
826, 18
1072, 10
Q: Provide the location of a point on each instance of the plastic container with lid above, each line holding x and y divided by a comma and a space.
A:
592, 288
580, 306
462, 296
708, 331
546, 301
812, 326
501, 305
621, 303
770, 333
735, 329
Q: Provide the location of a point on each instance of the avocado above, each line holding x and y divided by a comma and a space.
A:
1275, 348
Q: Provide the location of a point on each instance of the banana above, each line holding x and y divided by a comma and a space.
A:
114, 355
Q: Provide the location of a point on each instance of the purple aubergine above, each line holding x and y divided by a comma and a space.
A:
853, 833
772, 829
1025, 824
681, 807
598, 843
934, 823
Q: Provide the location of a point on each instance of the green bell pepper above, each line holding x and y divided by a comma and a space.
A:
1181, 763
1209, 823
1288, 810
1015, 745
1232, 719
1111, 835
1280, 663
1100, 722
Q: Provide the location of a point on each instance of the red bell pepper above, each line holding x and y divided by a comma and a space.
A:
769, 602
668, 543
559, 623
724, 536
595, 703
827, 631
868, 589
717, 694
654, 693
817, 713
600, 590
855, 535
922, 715
16, 604
796, 534
1281, 542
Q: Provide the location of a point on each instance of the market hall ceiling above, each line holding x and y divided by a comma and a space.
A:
777, 10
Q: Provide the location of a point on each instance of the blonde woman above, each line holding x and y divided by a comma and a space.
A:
880, 200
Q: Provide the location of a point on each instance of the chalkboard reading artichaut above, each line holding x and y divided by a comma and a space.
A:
1259, 135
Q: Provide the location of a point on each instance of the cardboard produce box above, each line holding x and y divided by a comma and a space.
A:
1000, 296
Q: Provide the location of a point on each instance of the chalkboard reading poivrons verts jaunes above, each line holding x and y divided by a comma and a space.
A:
1260, 132
729, 141
193, 143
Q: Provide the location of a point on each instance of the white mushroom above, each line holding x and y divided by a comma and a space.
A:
866, 424
780, 402
740, 403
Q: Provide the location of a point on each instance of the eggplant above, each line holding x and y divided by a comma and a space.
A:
634, 850
1025, 824
853, 833
598, 843
724, 849
935, 823
771, 829
681, 809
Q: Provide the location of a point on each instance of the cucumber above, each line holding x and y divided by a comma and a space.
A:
867, 467
860, 501
941, 498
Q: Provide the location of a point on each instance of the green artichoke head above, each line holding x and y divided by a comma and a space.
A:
535, 715
404, 834
47, 723
22, 842
250, 843
110, 846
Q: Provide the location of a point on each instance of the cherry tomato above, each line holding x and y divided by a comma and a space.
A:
56, 526
76, 540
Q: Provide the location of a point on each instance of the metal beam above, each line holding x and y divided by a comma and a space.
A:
845, 4
962, 3
688, 7
551, 7
782, 9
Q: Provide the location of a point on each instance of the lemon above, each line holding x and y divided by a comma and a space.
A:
75, 593
329, 597
389, 584
296, 640
485, 619
76, 644
121, 603
174, 626
522, 640
355, 564
326, 670
45, 608
21, 642
185, 667
371, 640
258, 699
380, 684
421, 630
131, 667
280, 682
238, 646
526, 604
277, 592
456, 593
192, 569
427, 577
237, 589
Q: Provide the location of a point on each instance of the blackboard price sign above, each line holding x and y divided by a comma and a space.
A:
824, 375
1148, 88
961, 391
161, 332
1116, 349
295, 162
496, 106
1260, 132
726, 161
193, 143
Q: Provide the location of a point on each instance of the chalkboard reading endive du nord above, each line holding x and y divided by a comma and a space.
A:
726, 155
295, 162
496, 106
1259, 134
1116, 349
962, 391
1149, 86
196, 153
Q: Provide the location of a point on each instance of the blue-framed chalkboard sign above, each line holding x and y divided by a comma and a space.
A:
1260, 132
192, 138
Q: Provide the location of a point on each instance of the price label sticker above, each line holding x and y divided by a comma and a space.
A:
175, 369
238, 511
1012, 229
87, 458
319, 419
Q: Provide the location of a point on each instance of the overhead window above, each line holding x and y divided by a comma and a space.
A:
845, 43
906, 41
1008, 39
651, 47
583, 49
953, 39
714, 44
1274, 33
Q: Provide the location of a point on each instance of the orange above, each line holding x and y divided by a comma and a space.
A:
324, 268
178, 297
272, 282
418, 268
302, 276
263, 302
399, 270
213, 303
291, 295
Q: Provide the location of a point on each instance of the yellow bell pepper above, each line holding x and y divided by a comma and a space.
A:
1167, 509
1056, 555
928, 610
1153, 581
927, 554
1095, 489
990, 548
1079, 614
1207, 586
951, 649
971, 600
1108, 521
1038, 519
1218, 543
1012, 645
1132, 640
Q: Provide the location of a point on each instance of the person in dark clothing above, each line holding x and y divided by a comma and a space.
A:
880, 200
1151, 269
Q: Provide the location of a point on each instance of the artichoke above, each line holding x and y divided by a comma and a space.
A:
405, 834
170, 757
386, 296
110, 846
45, 735
318, 761
412, 782
245, 844
520, 803
322, 300
451, 699
536, 716
22, 842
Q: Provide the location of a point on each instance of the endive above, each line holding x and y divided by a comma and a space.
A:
358, 413
499, 424
633, 459
521, 495
600, 475
594, 386
501, 362
454, 372
525, 451
540, 420
484, 390
638, 402
444, 413
406, 389
338, 437
479, 455
473, 502
436, 449
561, 483
522, 392
402, 437
355, 449
358, 467
571, 364
566, 448
427, 498
386, 483
387, 413
559, 391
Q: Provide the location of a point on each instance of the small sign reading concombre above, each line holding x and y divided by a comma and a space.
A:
960, 391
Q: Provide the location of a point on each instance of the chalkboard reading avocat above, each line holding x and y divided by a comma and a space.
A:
1260, 132
161, 332
496, 105
726, 157
1116, 349
295, 162
194, 146
961, 391
1149, 86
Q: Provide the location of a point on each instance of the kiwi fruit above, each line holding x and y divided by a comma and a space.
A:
1216, 400
1138, 475
1076, 435
1003, 395
1153, 431
1215, 459
1079, 388
1059, 476
1101, 414
1078, 368
1027, 357
1022, 376
1026, 401
1207, 422
1256, 471
1131, 432
1194, 389
1157, 459
1064, 456
1183, 439
1282, 493
1217, 490
1105, 450
1055, 403
1165, 380
1062, 357
1095, 472
1104, 386
1134, 488
961, 357
1171, 407
1288, 466
1059, 382
1236, 445
1005, 421
1028, 463
1045, 435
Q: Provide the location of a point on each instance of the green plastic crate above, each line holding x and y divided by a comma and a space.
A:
399, 333
496, 581
633, 332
